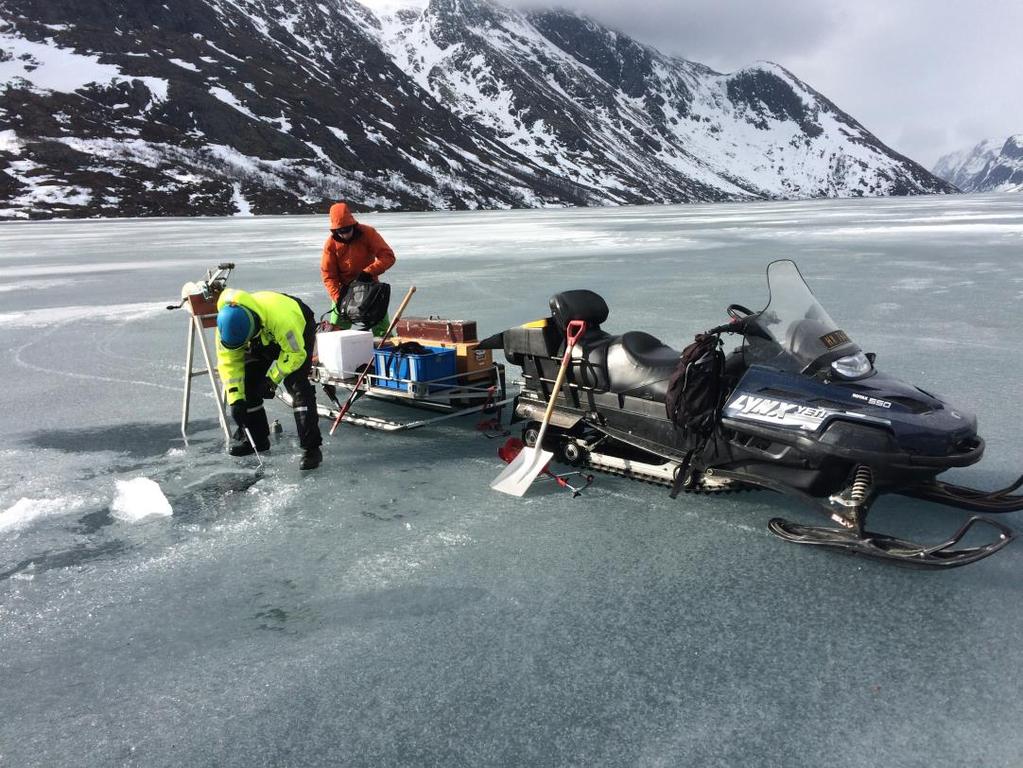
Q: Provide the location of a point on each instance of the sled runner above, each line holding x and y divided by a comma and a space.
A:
447, 397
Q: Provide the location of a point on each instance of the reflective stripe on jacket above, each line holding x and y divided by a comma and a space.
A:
281, 323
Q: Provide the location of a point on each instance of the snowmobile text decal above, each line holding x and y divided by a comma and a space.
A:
835, 339
871, 400
778, 412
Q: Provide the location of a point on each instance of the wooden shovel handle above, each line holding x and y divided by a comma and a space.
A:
401, 308
575, 329
387, 334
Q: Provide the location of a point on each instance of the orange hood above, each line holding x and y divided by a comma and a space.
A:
340, 216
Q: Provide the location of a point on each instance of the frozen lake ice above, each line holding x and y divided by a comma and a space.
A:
389, 609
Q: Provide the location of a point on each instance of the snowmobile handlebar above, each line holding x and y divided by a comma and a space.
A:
740, 327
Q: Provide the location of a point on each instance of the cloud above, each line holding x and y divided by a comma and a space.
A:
724, 34
926, 76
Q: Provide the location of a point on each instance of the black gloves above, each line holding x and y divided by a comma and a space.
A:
364, 277
269, 391
240, 413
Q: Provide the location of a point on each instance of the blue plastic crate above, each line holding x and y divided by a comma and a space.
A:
396, 369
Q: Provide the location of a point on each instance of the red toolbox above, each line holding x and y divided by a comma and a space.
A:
437, 329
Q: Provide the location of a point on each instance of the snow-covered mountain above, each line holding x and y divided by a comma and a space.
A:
994, 165
226, 106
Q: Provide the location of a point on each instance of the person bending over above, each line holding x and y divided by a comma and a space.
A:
265, 338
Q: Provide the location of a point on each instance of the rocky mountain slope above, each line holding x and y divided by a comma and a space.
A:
990, 166
216, 107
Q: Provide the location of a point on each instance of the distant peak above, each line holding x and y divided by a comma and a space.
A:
391, 7
766, 66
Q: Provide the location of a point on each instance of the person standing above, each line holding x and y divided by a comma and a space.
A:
265, 338
353, 252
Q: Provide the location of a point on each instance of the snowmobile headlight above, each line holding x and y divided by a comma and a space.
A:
852, 366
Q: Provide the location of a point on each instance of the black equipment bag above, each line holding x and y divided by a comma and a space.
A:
365, 304
694, 398
694, 389
396, 353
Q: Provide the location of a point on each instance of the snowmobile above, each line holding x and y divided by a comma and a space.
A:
796, 407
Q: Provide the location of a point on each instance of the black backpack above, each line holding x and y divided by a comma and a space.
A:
694, 389
365, 304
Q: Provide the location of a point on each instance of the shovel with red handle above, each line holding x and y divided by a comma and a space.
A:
520, 473
513, 446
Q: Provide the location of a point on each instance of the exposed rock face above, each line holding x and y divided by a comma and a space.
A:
224, 106
990, 166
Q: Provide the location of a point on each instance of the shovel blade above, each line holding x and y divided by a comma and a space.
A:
520, 473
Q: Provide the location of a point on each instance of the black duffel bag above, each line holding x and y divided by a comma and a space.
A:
365, 304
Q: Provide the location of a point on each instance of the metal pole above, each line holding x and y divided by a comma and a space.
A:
213, 380
186, 398
254, 448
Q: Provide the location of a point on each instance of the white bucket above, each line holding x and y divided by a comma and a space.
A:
344, 352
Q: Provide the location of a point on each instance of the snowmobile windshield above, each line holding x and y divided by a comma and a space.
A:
795, 331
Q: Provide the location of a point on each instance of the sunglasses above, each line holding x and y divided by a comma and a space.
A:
343, 230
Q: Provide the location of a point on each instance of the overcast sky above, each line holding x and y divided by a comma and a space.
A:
925, 76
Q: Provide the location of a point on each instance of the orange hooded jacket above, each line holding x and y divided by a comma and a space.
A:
341, 262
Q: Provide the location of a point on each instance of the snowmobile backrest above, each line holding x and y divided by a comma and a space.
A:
579, 305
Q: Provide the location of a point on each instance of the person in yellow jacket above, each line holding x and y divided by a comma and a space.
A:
265, 338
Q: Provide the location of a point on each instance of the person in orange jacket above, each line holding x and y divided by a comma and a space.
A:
353, 252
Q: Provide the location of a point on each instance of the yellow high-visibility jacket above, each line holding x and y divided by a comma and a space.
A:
281, 322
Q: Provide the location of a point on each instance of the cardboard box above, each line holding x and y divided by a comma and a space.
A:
468, 359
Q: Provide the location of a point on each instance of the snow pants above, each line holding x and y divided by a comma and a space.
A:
343, 325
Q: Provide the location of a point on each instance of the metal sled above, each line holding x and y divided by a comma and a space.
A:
449, 397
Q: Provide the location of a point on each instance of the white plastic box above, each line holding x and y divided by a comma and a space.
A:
344, 352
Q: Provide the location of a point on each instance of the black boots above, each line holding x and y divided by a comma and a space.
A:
244, 448
311, 458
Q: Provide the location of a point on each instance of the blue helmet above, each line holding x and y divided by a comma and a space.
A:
236, 326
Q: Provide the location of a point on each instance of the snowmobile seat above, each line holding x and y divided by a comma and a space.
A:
635, 363
589, 360
640, 365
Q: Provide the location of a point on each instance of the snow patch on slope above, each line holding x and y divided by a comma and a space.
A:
49, 67
244, 209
